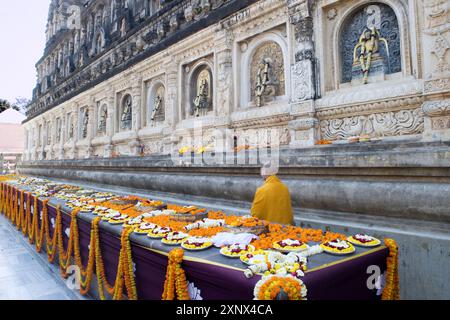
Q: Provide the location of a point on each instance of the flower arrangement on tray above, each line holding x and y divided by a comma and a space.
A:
338, 247
236, 250
363, 240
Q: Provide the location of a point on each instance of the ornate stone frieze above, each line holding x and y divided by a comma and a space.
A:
303, 124
436, 108
302, 81
398, 123
371, 107
437, 85
439, 49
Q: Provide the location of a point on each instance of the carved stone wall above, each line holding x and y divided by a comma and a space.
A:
310, 45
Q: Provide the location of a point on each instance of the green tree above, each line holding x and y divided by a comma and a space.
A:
5, 104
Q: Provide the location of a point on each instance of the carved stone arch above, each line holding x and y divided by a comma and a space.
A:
156, 102
200, 68
268, 41
400, 12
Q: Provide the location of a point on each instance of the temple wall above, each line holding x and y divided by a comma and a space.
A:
314, 90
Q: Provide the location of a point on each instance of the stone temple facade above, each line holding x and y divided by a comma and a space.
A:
123, 86
125, 77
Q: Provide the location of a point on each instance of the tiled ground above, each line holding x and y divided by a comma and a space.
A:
24, 275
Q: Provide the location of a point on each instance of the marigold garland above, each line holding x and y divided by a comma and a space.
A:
269, 287
12, 205
175, 285
392, 289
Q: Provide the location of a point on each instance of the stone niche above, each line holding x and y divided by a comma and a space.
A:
125, 109
102, 118
370, 39
155, 111
199, 88
263, 78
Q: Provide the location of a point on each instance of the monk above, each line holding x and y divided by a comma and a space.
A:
272, 200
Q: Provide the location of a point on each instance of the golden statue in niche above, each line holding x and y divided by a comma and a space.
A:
368, 46
202, 100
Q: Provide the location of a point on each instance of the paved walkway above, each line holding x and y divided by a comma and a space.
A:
24, 274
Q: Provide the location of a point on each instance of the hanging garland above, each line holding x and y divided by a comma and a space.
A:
269, 288
13, 207
392, 289
175, 285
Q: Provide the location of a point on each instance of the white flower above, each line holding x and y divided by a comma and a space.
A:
52, 221
194, 292
67, 232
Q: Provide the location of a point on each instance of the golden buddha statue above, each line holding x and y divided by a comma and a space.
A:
368, 45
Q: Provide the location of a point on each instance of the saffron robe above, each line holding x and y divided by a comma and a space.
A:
273, 202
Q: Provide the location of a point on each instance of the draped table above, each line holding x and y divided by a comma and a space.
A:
212, 276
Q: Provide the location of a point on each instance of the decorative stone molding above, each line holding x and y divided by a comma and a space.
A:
385, 124
437, 85
302, 81
436, 108
303, 124
370, 107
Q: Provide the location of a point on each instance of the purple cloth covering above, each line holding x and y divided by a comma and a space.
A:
345, 278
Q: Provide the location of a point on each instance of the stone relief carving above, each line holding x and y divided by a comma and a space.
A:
440, 123
404, 122
437, 13
440, 48
158, 105
85, 126
102, 119
302, 84
71, 127
203, 92
382, 18
436, 108
267, 73
126, 116
58, 129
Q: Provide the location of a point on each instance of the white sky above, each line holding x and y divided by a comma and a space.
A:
22, 42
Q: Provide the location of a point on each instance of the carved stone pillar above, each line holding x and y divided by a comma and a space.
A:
136, 92
90, 131
171, 104
224, 46
437, 120
110, 123
304, 129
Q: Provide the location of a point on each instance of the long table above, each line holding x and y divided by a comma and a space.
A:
212, 276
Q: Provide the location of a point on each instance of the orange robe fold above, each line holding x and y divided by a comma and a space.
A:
273, 202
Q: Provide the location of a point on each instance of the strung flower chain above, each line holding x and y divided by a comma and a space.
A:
392, 289
176, 282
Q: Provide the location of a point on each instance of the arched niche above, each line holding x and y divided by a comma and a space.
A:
102, 118
201, 90
126, 113
266, 54
355, 31
156, 103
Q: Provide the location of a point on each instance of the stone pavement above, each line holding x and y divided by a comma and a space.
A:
24, 274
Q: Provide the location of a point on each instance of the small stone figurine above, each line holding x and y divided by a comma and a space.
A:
201, 100
102, 122
157, 106
126, 115
85, 123
369, 45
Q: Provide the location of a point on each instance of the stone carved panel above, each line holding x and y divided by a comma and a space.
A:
436, 108
441, 123
302, 83
126, 113
439, 49
404, 122
102, 119
157, 104
271, 52
383, 18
